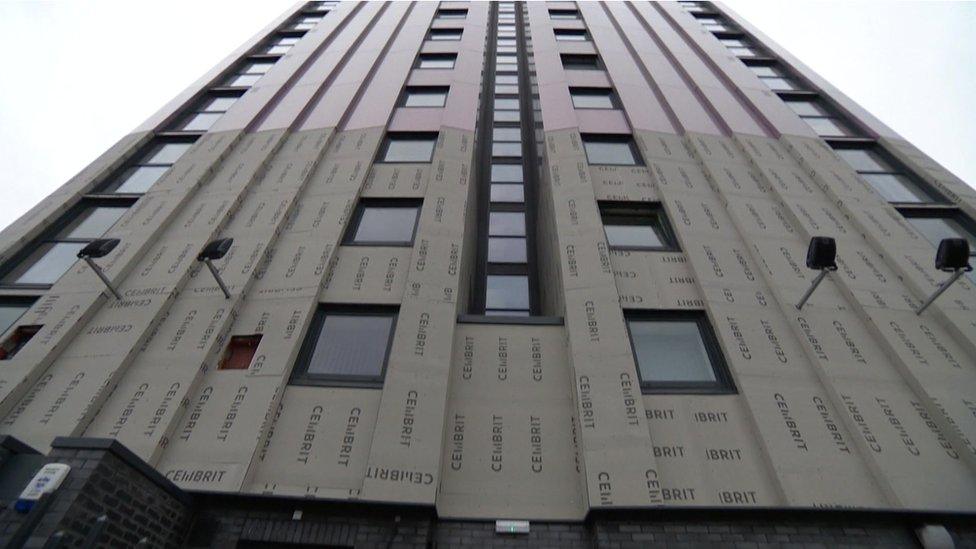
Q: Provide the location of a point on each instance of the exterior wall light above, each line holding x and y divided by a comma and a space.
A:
96, 249
953, 256
821, 255
216, 250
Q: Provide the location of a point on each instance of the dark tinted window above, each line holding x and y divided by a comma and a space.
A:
571, 35
563, 14
579, 61
676, 352
507, 292
425, 96
346, 347
11, 309
384, 224
444, 34
637, 227
436, 60
46, 264
610, 150
417, 147
592, 98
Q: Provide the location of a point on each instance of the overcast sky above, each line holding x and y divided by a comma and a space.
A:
80, 75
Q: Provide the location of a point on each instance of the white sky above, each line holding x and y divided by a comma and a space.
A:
80, 75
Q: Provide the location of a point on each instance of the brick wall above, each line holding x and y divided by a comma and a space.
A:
105, 479
139, 504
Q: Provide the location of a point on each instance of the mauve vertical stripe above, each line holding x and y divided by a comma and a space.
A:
733, 104
342, 43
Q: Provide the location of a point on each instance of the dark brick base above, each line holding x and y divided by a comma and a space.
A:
140, 507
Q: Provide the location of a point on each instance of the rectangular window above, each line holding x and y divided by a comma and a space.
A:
592, 98
506, 173
425, 96
408, 147
436, 60
715, 24
637, 226
938, 224
240, 351
611, 150
563, 14
676, 352
385, 222
444, 35
506, 250
504, 192
49, 257
773, 77
506, 224
11, 309
452, 14
17, 340
506, 293
570, 35
306, 23
148, 167
346, 347
891, 183
280, 45
205, 113
818, 116
580, 61
248, 74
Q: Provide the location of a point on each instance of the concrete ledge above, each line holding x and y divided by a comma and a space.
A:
15, 446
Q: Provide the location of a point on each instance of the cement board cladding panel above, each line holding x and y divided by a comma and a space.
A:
852, 402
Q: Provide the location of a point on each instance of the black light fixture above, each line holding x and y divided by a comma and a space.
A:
212, 251
952, 257
100, 248
821, 256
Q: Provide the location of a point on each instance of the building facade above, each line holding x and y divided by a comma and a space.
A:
529, 260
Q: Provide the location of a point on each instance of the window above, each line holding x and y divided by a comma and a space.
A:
592, 98
425, 96
206, 113
280, 45
408, 147
506, 150
436, 60
773, 77
11, 309
580, 61
506, 250
507, 295
149, 167
823, 122
739, 47
714, 24
390, 222
452, 14
892, 184
612, 150
676, 352
563, 14
56, 251
240, 351
444, 34
506, 224
16, 341
306, 23
637, 226
346, 347
938, 224
506, 173
570, 35
249, 74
